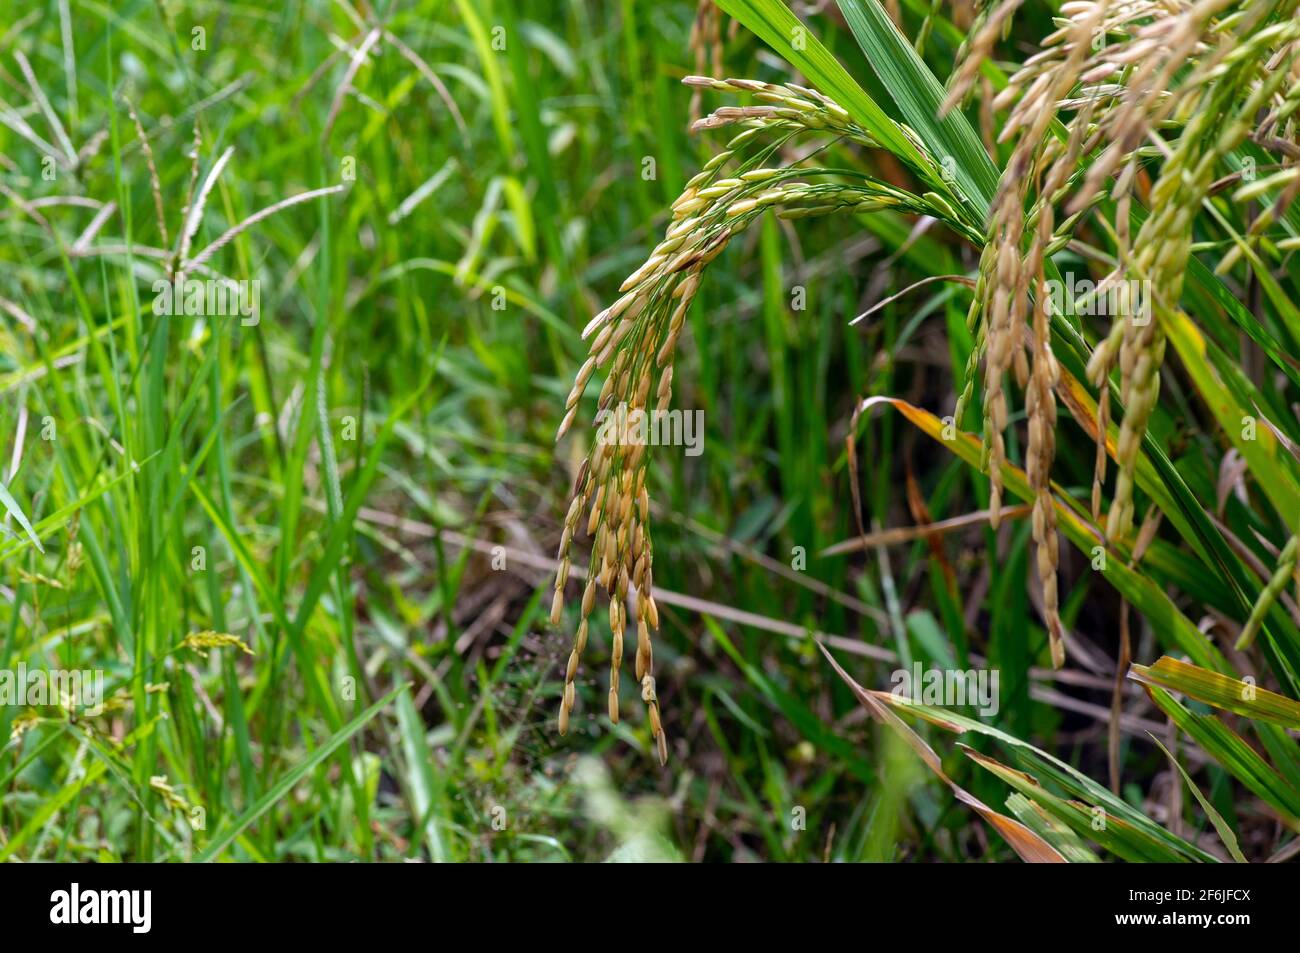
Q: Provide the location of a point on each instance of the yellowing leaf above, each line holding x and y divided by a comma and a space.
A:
1221, 691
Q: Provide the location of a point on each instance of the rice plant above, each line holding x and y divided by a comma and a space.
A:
1156, 140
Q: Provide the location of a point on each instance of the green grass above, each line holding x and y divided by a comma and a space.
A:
362, 485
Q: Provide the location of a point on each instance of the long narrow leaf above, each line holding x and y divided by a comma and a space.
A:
919, 95
223, 838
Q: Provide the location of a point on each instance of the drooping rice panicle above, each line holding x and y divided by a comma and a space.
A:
1121, 90
636, 338
1163, 244
988, 28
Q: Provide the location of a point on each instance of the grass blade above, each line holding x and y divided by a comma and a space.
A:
227, 835
919, 95
1225, 832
